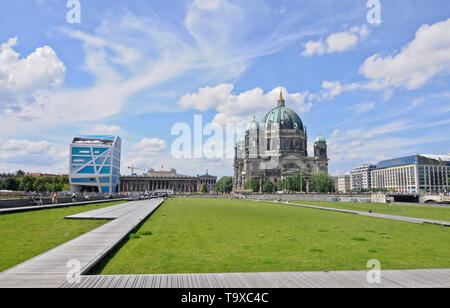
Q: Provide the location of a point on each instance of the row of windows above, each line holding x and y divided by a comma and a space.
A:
87, 151
82, 160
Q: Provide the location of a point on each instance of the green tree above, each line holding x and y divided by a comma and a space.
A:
268, 186
11, 184
322, 183
40, 185
27, 183
203, 189
281, 184
224, 185
20, 173
297, 182
254, 184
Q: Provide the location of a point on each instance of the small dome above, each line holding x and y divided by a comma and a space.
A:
320, 139
254, 125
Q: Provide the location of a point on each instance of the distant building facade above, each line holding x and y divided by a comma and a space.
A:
167, 181
95, 164
276, 148
416, 173
360, 177
343, 183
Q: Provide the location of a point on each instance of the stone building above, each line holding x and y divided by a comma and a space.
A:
276, 148
166, 181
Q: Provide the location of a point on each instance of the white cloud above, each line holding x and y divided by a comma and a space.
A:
427, 56
150, 146
105, 129
20, 77
363, 108
336, 42
331, 89
36, 156
239, 109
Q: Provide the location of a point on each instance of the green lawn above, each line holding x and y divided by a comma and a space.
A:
28, 234
215, 235
418, 211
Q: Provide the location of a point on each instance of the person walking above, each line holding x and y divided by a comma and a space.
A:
55, 198
74, 197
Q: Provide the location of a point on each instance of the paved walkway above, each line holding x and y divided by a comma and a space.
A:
50, 268
52, 206
392, 217
432, 278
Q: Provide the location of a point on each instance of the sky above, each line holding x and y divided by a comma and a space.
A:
374, 83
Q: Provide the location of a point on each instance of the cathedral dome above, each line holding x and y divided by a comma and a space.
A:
254, 125
283, 117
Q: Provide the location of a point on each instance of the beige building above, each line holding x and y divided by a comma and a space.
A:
343, 183
166, 181
417, 173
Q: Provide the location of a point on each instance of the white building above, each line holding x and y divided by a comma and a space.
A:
416, 173
360, 177
343, 183
95, 164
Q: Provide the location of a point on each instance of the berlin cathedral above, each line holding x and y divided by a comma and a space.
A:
276, 148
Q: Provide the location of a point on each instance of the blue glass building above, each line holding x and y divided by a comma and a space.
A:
95, 164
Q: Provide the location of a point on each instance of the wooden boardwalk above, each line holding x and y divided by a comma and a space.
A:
50, 268
385, 216
432, 278
53, 206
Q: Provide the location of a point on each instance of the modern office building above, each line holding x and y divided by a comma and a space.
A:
360, 177
343, 183
166, 181
416, 173
95, 164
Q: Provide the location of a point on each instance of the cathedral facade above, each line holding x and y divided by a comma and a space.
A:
276, 148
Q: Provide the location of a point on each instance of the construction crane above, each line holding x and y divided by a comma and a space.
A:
134, 168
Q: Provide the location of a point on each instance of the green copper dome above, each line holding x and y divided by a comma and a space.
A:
320, 139
254, 125
284, 117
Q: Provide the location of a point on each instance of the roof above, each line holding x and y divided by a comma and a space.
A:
414, 159
320, 139
284, 117
104, 139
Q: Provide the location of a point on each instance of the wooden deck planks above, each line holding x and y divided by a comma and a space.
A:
50, 268
340, 279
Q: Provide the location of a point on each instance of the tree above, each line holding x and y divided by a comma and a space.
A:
297, 182
203, 189
224, 185
27, 183
254, 184
40, 185
268, 186
281, 184
11, 184
322, 183
20, 174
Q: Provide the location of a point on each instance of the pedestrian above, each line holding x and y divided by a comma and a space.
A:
74, 197
55, 198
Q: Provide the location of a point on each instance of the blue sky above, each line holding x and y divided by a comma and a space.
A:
135, 68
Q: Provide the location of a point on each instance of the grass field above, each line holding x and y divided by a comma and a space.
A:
28, 234
214, 235
418, 211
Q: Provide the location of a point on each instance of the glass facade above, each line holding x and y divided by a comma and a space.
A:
95, 164
418, 173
